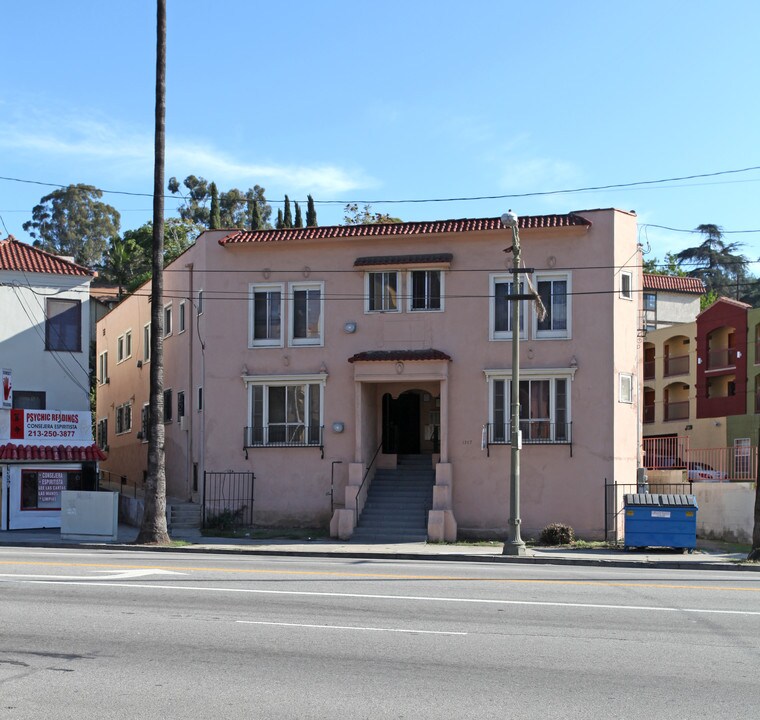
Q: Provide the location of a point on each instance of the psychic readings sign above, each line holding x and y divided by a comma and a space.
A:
51, 427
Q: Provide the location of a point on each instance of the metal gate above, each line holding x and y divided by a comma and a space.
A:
227, 500
614, 521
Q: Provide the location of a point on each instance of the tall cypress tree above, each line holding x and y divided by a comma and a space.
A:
216, 214
255, 215
298, 222
280, 223
287, 218
311, 213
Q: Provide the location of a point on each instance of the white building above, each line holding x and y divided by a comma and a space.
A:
46, 442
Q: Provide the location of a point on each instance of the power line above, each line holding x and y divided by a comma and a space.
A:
637, 183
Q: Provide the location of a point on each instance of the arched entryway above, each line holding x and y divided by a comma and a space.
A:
411, 423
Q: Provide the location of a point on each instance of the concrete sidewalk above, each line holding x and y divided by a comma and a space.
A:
709, 555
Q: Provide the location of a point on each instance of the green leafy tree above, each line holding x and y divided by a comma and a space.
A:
353, 215
311, 213
215, 221
255, 215
234, 205
287, 216
669, 267
298, 222
123, 260
72, 221
716, 262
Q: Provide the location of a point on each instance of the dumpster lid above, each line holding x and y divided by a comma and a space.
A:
660, 500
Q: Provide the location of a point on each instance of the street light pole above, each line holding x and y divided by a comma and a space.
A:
514, 544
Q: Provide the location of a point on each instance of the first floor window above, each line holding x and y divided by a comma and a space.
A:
181, 404
63, 326
382, 291
41, 489
306, 314
124, 418
544, 410
102, 438
103, 368
426, 289
553, 292
167, 320
167, 406
285, 414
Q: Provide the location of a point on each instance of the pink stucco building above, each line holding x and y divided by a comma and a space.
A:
316, 358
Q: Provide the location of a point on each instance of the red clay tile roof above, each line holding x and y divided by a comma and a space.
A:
429, 259
56, 453
15, 255
672, 283
398, 355
238, 237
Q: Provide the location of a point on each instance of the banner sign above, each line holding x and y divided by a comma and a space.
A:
51, 427
6, 390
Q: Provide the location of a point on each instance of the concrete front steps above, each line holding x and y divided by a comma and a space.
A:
398, 502
184, 515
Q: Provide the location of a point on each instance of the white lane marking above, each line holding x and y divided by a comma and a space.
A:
410, 598
350, 627
123, 575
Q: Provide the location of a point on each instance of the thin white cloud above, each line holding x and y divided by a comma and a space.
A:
129, 153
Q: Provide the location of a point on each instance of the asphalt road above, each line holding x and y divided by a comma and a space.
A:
113, 634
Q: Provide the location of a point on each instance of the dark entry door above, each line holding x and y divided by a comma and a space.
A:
401, 424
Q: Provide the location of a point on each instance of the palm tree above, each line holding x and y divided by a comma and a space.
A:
153, 528
122, 262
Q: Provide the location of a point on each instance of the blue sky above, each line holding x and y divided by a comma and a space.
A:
394, 100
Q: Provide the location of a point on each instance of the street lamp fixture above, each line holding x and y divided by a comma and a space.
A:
514, 544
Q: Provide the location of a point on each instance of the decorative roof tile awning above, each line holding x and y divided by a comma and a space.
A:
673, 283
398, 356
526, 222
51, 453
426, 259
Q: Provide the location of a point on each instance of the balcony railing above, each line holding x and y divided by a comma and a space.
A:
723, 358
676, 410
534, 432
678, 365
649, 369
284, 435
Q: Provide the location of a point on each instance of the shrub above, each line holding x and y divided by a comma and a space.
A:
557, 534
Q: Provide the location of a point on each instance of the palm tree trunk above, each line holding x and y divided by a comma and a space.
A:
153, 529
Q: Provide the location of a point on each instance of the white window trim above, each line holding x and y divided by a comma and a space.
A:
181, 318
555, 334
266, 342
622, 378
200, 301
409, 290
146, 345
145, 433
399, 293
168, 326
267, 381
532, 374
629, 275
103, 361
495, 278
116, 415
313, 342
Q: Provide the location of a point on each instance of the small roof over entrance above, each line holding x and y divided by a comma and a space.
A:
399, 355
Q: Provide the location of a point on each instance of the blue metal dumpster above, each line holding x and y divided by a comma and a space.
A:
660, 520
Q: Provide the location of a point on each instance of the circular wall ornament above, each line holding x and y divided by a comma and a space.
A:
266, 272
399, 367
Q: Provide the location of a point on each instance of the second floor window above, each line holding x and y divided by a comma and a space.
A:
63, 325
146, 342
266, 315
554, 293
306, 312
382, 292
425, 290
167, 320
103, 368
124, 418
501, 307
